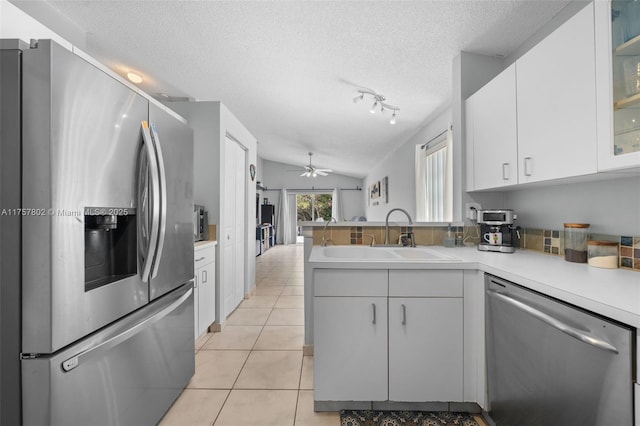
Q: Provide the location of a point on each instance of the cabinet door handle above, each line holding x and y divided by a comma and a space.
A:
195, 282
527, 166
404, 314
204, 277
200, 259
373, 306
505, 171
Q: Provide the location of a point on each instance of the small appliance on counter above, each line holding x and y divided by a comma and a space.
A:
497, 230
200, 224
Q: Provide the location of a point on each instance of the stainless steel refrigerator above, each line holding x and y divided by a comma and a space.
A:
96, 263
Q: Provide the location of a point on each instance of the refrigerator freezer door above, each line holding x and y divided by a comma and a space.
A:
173, 264
127, 374
10, 230
81, 132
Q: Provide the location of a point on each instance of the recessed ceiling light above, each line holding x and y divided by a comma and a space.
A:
134, 78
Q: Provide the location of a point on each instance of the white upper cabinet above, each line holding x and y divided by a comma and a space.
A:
556, 103
617, 27
492, 133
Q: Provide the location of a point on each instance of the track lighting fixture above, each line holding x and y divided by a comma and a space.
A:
377, 100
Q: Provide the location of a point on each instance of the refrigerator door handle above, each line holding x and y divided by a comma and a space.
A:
153, 186
163, 200
130, 329
555, 323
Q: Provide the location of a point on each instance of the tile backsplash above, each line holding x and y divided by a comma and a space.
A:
630, 252
550, 241
425, 236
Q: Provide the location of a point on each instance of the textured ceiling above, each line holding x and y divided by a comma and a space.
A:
290, 69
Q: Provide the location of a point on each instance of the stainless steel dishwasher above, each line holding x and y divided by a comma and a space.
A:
550, 363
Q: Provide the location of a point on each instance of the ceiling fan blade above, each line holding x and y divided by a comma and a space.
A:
306, 174
324, 170
321, 172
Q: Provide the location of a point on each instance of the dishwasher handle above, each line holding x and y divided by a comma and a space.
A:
554, 322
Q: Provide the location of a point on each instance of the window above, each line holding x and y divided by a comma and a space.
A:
434, 180
310, 207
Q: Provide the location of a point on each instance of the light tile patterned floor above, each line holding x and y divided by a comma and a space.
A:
253, 373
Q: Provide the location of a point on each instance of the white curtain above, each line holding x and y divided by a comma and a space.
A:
434, 181
283, 233
336, 205
421, 178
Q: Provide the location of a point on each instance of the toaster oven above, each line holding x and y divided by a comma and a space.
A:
200, 223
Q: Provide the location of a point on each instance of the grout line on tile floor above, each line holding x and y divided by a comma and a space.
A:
253, 347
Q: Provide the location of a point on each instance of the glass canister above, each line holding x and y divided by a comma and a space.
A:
575, 242
603, 254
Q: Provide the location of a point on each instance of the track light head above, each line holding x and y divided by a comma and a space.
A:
378, 99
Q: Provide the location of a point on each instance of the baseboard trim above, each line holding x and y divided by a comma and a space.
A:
341, 405
457, 407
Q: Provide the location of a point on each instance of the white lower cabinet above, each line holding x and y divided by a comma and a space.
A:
204, 288
350, 348
397, 336
425, 349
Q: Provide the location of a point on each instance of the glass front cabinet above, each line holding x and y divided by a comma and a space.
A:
618, 84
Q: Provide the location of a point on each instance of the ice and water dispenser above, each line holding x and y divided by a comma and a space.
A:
110, 242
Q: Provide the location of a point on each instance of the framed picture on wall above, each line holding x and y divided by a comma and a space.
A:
375, 190
384, 190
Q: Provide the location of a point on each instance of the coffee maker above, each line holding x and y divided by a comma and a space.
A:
498, 231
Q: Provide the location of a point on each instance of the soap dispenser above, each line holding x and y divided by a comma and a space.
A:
449, 239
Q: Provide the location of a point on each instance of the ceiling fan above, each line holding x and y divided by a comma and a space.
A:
311, 171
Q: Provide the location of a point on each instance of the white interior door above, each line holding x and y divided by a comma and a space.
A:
234, 225
240, 217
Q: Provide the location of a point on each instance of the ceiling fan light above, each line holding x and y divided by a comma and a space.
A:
373, 107
358, 98
393, 118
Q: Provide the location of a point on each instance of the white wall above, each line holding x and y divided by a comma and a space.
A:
470, 72
204, 118
279, 175
610, 206
15, 23
211, 122
399, 167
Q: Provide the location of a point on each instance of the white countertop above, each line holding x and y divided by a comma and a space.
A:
205, 243
614, 293
392, 222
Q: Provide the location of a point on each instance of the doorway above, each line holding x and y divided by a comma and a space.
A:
312, 207
233, 245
